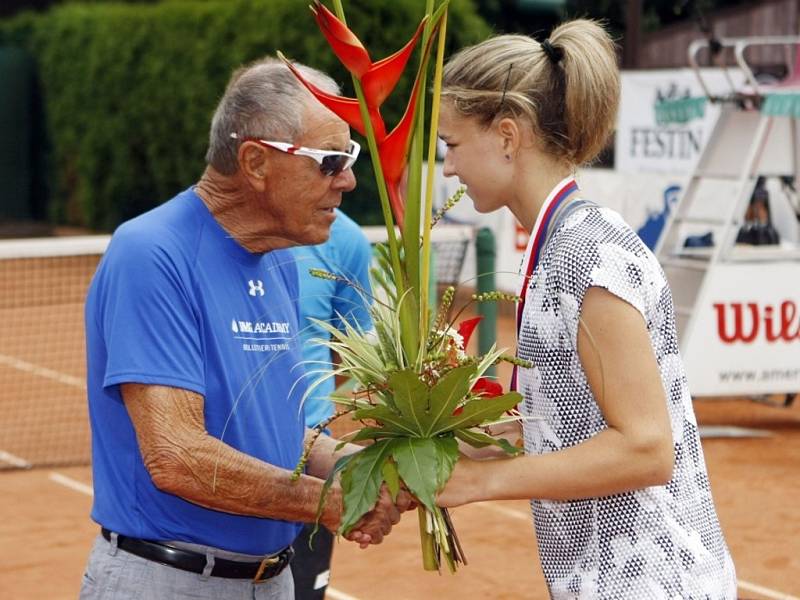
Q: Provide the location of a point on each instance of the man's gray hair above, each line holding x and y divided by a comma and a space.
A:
262, 100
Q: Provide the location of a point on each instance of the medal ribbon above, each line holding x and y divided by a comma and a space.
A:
535, 246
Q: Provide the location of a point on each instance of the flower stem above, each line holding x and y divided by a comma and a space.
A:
427, 211
414, 206
430, 561
408, 335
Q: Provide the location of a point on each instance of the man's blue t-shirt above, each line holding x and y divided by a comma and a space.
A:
177, 302
347, 253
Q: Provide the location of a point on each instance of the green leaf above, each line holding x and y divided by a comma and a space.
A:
361, 482
474, 438
374, 433
477, 439
478, 411
392, 478
411, 399
447, 450
387, 417
340, 464
448, 392
417, 463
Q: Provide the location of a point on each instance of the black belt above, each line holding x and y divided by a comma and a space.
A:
195, 562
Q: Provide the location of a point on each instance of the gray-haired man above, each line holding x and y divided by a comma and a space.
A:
193, 357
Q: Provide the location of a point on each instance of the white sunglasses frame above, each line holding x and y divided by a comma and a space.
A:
314, 153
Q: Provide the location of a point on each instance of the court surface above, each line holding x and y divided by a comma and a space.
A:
45, 530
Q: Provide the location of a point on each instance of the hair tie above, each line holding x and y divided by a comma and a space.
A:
554, 54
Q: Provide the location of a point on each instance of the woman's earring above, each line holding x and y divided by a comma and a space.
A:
508, 157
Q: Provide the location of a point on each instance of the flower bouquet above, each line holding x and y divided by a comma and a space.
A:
417, 392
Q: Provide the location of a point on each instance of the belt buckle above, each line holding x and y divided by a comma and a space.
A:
267, 562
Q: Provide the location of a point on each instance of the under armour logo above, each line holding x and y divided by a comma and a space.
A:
256, 287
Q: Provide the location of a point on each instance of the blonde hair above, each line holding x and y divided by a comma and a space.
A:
569, 92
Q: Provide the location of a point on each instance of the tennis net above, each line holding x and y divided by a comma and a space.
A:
42, 365
450, 247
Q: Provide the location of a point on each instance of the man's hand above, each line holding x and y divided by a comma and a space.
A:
376, 524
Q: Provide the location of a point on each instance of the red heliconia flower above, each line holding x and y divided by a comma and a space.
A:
346, 108
465, 329
392, 148
382, 77
377, 79
344, 42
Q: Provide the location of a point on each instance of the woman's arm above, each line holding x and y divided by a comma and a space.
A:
635, 451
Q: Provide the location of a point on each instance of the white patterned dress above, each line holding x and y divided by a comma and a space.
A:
654, 543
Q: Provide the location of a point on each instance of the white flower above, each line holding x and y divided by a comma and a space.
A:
455, 341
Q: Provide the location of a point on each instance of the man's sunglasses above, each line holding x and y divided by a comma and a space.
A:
331, 162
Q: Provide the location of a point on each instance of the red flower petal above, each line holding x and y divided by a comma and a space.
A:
379, 81
394, 149
396, 201
487, 388
344, 42
346, 108
465, 329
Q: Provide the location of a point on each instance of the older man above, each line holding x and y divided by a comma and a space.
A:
193, 354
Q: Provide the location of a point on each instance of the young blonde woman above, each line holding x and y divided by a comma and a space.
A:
613, 465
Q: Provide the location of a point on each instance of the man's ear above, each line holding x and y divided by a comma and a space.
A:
510, 135
254, 164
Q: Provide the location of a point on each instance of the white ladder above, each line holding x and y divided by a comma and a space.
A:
715, 200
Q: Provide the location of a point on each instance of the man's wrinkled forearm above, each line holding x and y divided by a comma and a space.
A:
219, 477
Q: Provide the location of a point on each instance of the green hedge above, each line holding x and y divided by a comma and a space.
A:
129, 89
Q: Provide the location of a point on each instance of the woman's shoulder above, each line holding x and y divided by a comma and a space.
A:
596, 247
593, 218
592, 226
595, 238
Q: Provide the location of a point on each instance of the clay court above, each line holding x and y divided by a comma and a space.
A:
46, 532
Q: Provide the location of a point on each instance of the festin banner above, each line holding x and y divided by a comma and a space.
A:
641, 144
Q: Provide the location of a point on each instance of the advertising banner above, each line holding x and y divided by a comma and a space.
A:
641, 144
745, 338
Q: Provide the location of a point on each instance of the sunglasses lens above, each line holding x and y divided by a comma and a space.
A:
333, 164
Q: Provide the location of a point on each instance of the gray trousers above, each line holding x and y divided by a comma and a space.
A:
113, 574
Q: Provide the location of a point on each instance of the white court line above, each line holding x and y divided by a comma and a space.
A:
744, 585
758, 589
337, 595
87, 489
24, 365
71, 483
14, 460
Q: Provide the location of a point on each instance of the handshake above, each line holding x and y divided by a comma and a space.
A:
377, 523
